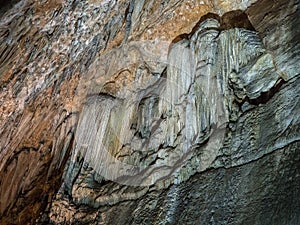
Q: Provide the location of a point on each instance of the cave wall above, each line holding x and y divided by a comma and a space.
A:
149, 112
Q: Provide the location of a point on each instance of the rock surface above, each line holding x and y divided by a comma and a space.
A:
150, 112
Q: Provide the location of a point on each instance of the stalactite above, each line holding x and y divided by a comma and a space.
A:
185, 111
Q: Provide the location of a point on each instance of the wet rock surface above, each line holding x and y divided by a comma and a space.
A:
149, 112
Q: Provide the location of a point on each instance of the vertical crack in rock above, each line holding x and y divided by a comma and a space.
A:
128, 15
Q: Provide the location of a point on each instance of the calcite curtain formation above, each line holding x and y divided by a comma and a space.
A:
178, 115
149, 112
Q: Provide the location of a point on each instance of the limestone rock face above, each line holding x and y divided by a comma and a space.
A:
150, 112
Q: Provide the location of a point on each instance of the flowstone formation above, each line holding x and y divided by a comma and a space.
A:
158, 121
149, 112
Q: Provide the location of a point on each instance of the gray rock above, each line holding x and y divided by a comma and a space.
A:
103, 124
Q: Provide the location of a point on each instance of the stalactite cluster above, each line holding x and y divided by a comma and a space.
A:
149, 112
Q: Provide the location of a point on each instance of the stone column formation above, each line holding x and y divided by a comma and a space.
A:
149, 112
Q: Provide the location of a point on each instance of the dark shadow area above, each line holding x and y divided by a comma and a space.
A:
236, 19
5, 5
230, 20
266, 96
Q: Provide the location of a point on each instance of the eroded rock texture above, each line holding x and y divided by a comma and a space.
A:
150, 112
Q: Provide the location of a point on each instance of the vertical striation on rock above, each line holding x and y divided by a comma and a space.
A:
149, 112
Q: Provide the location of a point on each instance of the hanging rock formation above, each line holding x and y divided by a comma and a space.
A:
149, 112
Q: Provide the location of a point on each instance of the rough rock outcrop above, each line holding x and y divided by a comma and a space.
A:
150, 112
